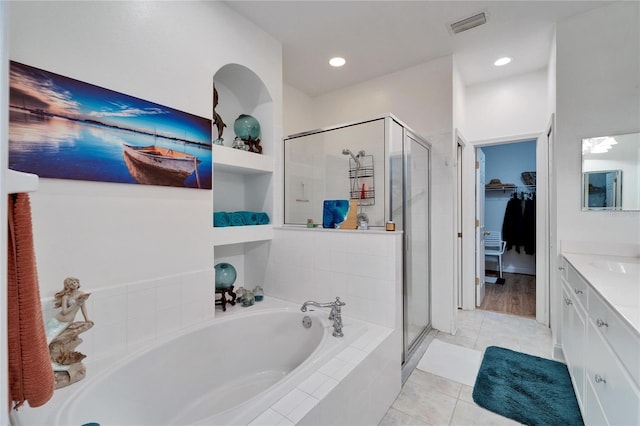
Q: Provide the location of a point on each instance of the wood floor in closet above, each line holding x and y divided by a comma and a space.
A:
517, 296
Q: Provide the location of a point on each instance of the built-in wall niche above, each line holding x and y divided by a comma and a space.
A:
243, 181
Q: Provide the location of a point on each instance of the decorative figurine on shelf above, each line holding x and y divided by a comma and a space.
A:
225, 275
247, 128
217, 120
62, 333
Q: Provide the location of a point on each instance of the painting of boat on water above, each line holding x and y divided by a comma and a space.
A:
63, 128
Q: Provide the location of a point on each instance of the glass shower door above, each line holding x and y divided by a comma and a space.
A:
417, 312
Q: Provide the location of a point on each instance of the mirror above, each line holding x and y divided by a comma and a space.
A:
611, 172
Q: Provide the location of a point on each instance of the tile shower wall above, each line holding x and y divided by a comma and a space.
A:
129, 316
363, 268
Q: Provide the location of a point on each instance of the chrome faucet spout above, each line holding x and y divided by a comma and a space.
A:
316, 304
335, 315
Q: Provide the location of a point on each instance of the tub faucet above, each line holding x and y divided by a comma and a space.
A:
335, 315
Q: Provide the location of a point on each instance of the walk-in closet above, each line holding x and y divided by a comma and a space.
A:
510, 228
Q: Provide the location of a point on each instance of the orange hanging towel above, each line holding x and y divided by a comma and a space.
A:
31, 377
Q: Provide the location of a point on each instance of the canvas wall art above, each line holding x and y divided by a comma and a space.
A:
66, 129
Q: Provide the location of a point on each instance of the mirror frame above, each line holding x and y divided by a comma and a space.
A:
624, 149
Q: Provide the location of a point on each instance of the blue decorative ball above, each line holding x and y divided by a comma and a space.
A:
246, 127
225, 275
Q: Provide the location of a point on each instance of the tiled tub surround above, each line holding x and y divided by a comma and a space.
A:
354, 384
601, 332
363, 268
129, 316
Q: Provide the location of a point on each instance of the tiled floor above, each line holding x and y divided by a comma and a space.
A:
428, 399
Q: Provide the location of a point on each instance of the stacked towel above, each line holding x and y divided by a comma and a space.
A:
240, 218
263, 218
221, 219
250, 218
236, 219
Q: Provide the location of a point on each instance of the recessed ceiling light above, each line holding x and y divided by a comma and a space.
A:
337, 61
502, 61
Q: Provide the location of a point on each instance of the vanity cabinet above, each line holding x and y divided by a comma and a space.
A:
602, 353
574, 338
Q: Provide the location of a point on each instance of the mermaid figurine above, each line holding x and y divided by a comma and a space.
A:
71, 300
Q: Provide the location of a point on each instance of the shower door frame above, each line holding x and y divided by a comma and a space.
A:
410, 345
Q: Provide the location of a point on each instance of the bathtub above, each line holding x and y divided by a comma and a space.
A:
225, 372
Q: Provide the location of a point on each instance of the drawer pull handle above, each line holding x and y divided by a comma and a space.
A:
577, 291
600, 379
601, 323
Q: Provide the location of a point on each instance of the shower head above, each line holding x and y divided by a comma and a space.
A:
348, 152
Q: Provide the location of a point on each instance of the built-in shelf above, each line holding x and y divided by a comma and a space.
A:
227, 159
241, 234
20, 182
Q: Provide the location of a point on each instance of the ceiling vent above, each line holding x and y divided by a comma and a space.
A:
468, 23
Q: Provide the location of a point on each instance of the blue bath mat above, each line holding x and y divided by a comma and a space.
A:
526, 388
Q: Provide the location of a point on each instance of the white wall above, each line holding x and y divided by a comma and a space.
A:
598, 92
105, 233
507, 107
297, 111
114, 237
420, 96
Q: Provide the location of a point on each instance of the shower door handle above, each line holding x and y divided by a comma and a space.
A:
407, 246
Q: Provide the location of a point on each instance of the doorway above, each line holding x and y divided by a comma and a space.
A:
507, 200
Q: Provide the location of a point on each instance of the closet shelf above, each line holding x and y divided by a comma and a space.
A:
511, 188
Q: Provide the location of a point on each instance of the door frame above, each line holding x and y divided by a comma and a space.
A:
542, 222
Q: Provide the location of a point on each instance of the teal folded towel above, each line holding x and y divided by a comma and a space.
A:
221, 219
263, 218
236, 219
250, 218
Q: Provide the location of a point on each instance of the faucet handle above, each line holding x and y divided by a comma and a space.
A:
338, 302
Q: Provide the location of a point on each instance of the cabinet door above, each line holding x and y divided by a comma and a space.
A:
573, 340
618, 396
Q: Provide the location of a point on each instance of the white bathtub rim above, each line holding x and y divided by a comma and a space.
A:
274, 393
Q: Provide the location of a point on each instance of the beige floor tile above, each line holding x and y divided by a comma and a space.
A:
471, 414
430, 407
428, 399
398, 418
435, 383
466, 394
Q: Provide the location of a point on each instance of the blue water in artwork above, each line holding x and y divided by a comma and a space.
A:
334, 213
65, 149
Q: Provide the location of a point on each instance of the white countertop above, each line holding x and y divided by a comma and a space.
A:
616, 279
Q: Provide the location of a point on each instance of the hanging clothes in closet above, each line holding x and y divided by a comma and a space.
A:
519, 224
529, 225
512, 223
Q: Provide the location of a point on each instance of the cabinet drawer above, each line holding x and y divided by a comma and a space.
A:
592, 413
618, 395
620, 336
577, 284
